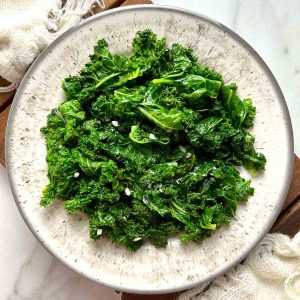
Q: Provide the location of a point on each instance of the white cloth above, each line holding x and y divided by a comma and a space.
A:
272, 271
28, 26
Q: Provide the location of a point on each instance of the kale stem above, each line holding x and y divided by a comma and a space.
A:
103, 80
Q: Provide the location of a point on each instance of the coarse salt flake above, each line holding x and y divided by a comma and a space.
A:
189, 154
152, 136
115, 123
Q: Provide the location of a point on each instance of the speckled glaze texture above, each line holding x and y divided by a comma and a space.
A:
65, 235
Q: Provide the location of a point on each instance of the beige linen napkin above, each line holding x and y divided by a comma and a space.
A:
272, 271
28, 26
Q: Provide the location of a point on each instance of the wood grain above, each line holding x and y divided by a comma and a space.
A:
109, 4
3, 122
112, 3
294, 190
5, 98
131, 2
289, 221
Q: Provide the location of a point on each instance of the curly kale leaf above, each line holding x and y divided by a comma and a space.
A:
163, 118
139, 136
241, 113
147, 145
193, 86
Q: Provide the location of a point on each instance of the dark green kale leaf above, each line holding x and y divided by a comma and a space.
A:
137, 135
241, 113
163, 118
147, 145
193, 86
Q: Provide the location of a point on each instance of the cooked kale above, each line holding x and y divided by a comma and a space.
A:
147, 145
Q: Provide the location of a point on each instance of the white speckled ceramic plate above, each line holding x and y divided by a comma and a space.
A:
149, 269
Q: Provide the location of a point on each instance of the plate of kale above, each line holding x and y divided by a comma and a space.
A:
155, 152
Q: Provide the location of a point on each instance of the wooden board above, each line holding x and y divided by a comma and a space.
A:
109, 4
294, 190
289, 220
5, 101
131, 2
127, 296
5, 98
3, 121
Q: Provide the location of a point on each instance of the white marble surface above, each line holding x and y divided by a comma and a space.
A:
272, 27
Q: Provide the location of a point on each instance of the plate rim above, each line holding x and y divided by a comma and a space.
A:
260, 61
